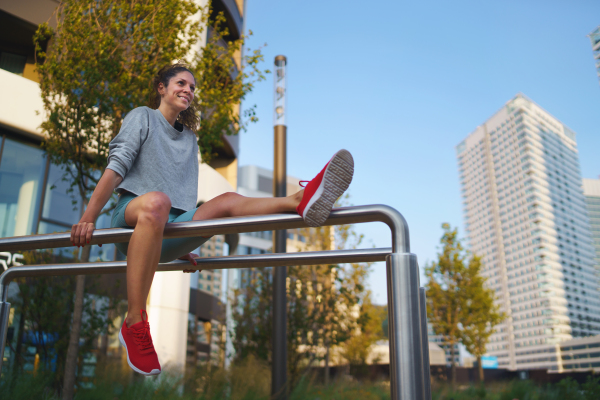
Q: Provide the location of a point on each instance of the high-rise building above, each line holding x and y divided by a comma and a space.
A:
591, 191
595, 39
525, 215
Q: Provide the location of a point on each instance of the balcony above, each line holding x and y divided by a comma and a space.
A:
233, 14
21, 105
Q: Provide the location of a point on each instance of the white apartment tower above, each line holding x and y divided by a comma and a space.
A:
526, 217
591, 191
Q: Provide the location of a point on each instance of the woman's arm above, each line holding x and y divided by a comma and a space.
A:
81, 233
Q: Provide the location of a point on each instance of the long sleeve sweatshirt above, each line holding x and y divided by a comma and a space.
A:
151, 155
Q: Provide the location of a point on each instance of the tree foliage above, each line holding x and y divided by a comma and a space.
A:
221, 85
371, 318
43, 305
323, 303
100, 63
482, 314
459, 306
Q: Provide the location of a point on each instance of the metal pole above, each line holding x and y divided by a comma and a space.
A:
403, 277
210, 263
209, 227
279, 340
4, 314
404, 316
425, 341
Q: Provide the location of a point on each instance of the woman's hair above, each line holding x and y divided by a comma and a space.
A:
189, 117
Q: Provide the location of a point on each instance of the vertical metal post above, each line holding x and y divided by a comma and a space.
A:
425, 341
43, 198
4, 313
279, 366
404, 316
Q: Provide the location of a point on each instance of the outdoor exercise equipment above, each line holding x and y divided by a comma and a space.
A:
409, 349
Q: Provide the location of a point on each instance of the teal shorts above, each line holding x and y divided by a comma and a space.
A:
171, 249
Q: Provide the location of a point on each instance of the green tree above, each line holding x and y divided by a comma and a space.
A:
99, 65
322, 304
482, 314
326, 299
370, 330
41, 322
453, 287
224, 78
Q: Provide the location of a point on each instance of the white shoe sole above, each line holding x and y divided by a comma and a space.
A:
139, 371
336, 179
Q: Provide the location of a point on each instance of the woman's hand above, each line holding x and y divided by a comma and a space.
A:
81, 233
191, 257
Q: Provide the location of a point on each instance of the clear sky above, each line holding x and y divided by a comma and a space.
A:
400, 83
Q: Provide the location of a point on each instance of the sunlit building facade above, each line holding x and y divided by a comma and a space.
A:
591, 191
525, 215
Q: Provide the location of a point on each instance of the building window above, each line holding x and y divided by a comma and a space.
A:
58, 204
14, 63
22, 169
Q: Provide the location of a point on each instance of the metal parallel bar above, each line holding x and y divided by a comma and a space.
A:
425, 341
115, 267
4, 315
405, 317
227, 262
339, 216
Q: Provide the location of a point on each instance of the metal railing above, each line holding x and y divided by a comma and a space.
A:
409, 348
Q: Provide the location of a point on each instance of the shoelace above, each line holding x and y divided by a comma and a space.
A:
303, 183
142, 336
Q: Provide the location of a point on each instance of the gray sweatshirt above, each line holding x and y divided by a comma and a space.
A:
151, 155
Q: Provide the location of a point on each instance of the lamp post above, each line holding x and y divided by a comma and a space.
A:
279, 366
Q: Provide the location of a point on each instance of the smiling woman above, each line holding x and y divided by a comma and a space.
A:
153, 166
179, 95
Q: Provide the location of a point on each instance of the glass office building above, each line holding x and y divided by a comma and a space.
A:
33, 196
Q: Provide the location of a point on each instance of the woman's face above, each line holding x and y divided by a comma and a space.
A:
179, 93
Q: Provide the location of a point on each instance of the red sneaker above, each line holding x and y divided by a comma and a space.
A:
141, 355
321, 193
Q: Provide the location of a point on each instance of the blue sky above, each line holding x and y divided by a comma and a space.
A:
399, 84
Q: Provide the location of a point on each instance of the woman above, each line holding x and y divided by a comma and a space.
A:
153, 166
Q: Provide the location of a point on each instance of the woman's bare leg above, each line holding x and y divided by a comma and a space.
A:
148, 214
235, 205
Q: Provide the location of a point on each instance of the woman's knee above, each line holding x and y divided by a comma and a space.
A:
155, 207
229, 201
230, 197
221, 206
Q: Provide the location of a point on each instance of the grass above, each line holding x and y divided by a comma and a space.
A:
250, 380
566, 389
